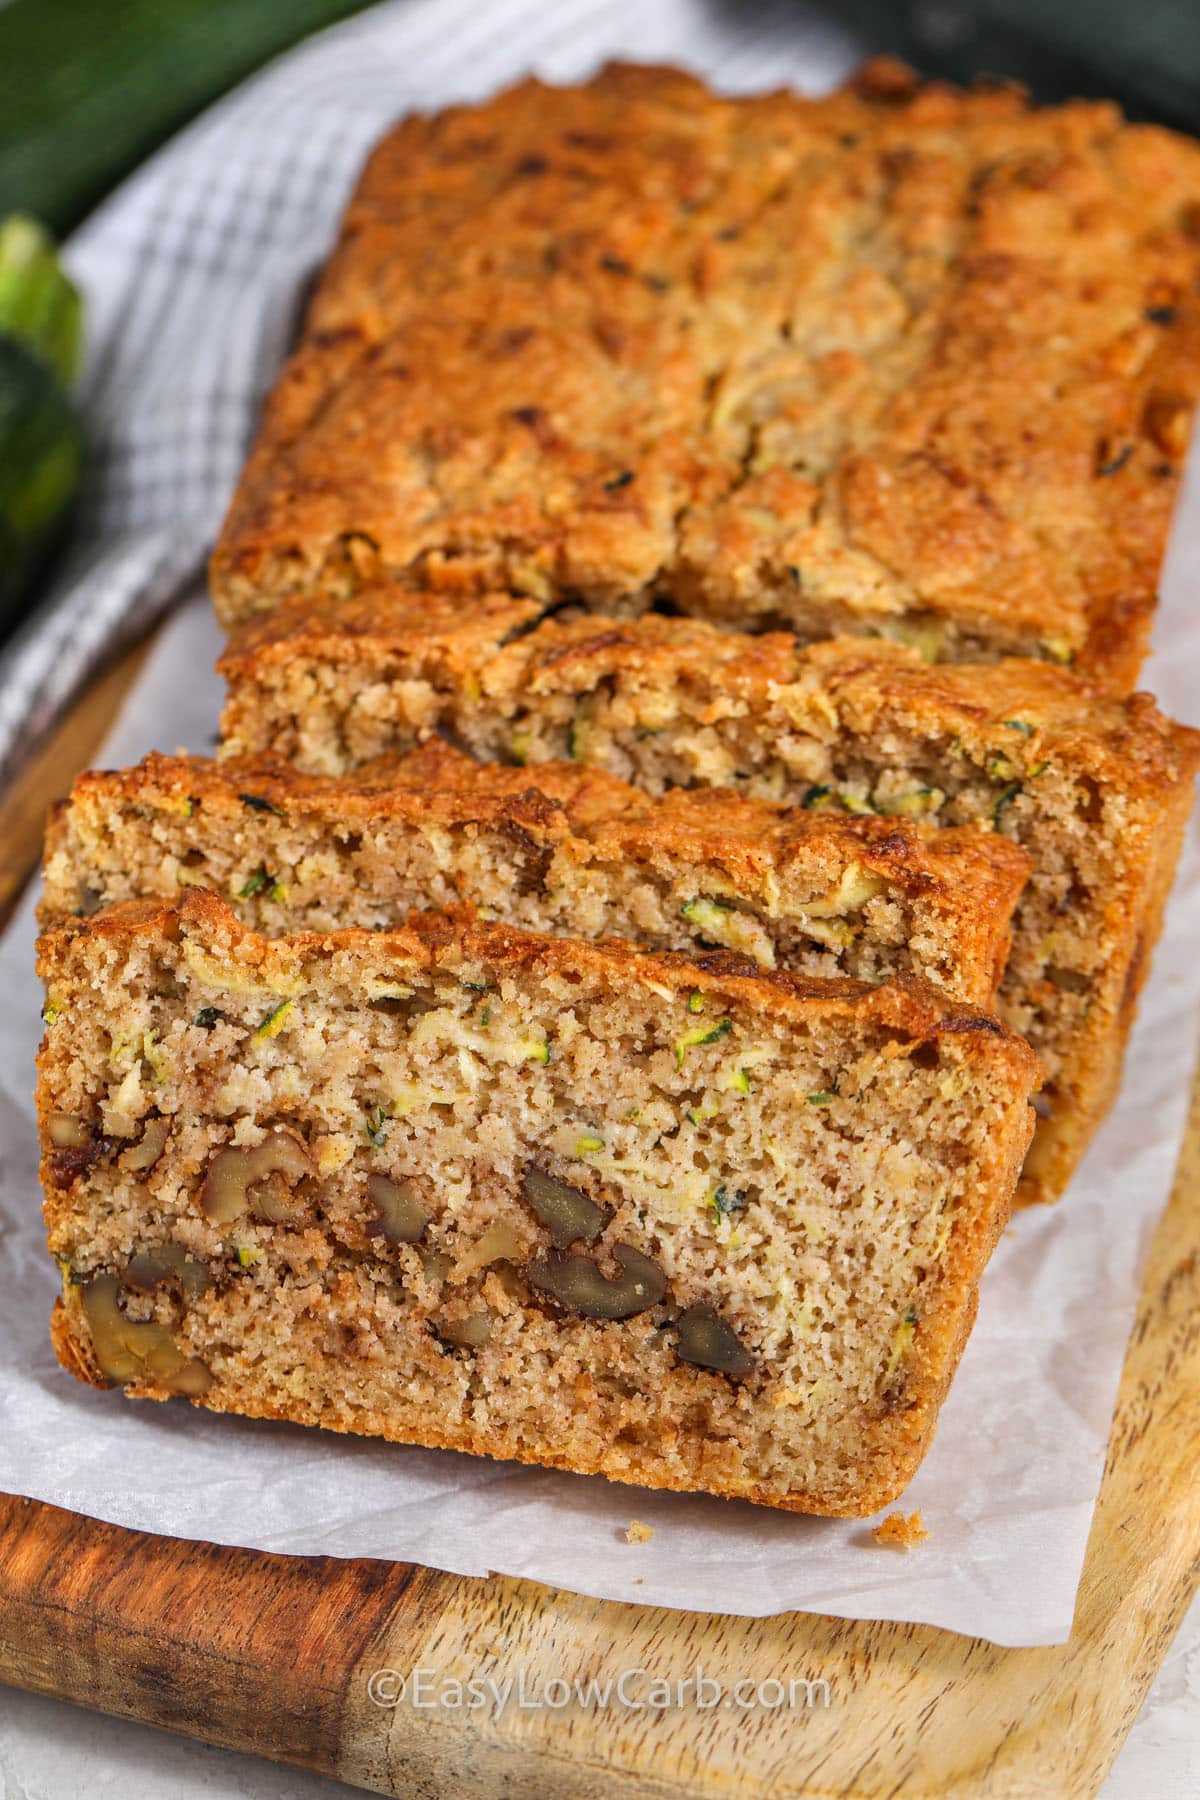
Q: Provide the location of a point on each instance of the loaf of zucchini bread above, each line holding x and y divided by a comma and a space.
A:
1096, 789
667, 1218
560, 847
900, 360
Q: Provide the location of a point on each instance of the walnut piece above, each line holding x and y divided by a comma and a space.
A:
69, 1133
233, 1173
577, 1283
471, 1333
152, 1264
129, 1351
399, 1215
566, 1212
708, 1342
153, 1142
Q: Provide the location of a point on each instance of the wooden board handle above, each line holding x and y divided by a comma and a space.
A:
245, 1650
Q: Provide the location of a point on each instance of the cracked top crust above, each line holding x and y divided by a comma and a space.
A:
438, 786
902, 360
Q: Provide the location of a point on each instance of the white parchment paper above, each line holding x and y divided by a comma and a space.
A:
1007, 1491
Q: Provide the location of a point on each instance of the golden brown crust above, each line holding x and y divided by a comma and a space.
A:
433, 783
488, 641
436, 784
565, 348
906, 1005
983, 873
381, 642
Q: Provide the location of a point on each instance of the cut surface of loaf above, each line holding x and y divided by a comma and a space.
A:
560, 847
1096, 789
900, 360
665, 1218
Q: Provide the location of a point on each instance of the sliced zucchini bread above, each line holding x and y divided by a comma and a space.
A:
560, 847
666, 1218
1096, 789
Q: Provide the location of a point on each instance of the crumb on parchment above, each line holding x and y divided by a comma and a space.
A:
638, 1533
899, 1533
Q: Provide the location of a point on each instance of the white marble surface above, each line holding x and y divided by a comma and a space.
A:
52, 1751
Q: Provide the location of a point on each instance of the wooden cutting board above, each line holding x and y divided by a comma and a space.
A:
274, 1654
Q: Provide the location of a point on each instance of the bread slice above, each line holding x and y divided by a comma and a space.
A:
557, 848
1096, 789
898, 360
664, 1218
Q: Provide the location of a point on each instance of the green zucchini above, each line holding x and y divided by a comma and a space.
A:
39, 306
41, 439
88, 90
